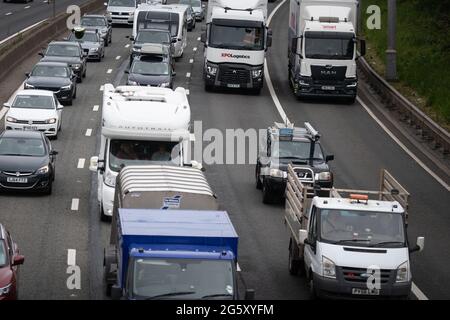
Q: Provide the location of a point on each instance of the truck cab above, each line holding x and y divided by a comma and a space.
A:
286, 145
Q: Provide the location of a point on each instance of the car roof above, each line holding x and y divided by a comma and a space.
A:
52, 64
2, 232
35, 92
93, 16
153, 30
22, 134
73, 43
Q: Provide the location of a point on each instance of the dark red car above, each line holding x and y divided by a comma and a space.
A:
10, 259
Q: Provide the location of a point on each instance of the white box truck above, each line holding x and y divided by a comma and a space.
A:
352, 244
236, 40
322, 48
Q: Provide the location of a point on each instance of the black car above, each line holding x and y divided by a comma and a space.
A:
191, 18
69, 52
27, 161
54, 76
148, 71
150, 36
98, 23
291, 145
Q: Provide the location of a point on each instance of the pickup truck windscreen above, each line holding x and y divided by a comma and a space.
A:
361, 228
296, 149
171, 278
138, 152
231, 35
327, 45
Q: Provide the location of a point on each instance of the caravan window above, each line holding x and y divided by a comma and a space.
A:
158, 20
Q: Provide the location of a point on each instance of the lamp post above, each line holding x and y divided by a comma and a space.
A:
391, 52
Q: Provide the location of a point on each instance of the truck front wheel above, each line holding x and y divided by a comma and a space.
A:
267, 196
295, 265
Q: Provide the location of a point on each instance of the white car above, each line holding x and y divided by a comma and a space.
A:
34, 110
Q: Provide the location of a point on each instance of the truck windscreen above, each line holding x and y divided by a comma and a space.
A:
158, 20
139, 152
171, 278
324, 45
236, 37
361, 228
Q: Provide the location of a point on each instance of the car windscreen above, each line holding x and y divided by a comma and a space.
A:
30, 147
158, 20
182, 278
3, 254
93, 22
50, 71
236, 37
139, 152
361, 228
193, 3
87, 36
323, 45
63, 50
150, 68
33, 102
153, 36
296, 149
122, 3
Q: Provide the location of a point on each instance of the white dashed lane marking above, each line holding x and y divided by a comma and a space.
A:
188, 75
95, 108
75, 204
81, 162
109, 71
118, 58
191, 61
88, 132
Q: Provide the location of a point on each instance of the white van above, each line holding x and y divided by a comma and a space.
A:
121, 11
166, 17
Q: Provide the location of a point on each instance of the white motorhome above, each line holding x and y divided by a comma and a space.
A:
352, 244
140, 125
165, 17
236, 41
322, 48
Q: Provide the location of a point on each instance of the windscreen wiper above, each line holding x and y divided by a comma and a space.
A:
170, 294
383, 243
217, 295
351, 240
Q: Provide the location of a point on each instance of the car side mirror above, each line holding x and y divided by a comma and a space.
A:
93, 165
269, 38
7, 105
203, 37
53, 153
18, 260
85, 54
174, 73
329, 157
60, 107
116, 292
27, 74
249, 294
41, 54
174, 41
127, 71
106, 4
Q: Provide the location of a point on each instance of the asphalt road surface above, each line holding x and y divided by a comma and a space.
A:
46, 227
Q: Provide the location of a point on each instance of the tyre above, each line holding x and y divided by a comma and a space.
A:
351, 100
267, 196
48, 189
70, 102
208, 88
103, 216
75, 93
84, 73
80, 79
312, 289
257, 178
106, 42
295, 266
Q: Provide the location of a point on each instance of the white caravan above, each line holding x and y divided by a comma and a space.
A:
165, 17
140, 126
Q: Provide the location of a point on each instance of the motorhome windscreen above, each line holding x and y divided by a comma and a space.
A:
329, 45
139, 152
361, 228
238, 35
153, 36
158, 20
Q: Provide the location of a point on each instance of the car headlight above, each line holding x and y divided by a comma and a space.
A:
11, 119
42, 170
108, 14
212, 70
403, 272
303, 83
5, 290
50, 121
134, 49
328, 268
277, 173
165, 84
68, 87
94, 49
28, 86
323, 176
109, 179
257, 73
132, 83
76, 66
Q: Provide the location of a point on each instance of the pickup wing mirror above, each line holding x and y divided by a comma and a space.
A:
93, 164
27, 74
41, 54
329, 157
53, 153
249, 294
106, 4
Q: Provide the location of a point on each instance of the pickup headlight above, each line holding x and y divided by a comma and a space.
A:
212, 70
5, 290
165, 85
257, 73
109, 179
11, 119
323, 176
42, 170
328, 268
134, 49
403, 272
76, 66
277, 173
68, 87
28, 86
51, 121
132, 83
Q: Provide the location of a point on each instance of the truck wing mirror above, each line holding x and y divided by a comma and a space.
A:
269, 38
96, 165
363, 47
249, 294
203, 37
329, 157
420, 244
302, 236
116, 292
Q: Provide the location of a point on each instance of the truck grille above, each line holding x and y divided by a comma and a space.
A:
328, 75
234, 75
355, 275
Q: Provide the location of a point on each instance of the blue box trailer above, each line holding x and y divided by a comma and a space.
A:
176, 254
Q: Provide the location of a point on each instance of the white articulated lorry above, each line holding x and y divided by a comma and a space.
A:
352, 244
140, 125
322, 48
236, 40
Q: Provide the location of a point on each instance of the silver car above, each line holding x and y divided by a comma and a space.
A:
92, 44
99, 23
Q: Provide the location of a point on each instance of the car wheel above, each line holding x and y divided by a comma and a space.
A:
258, 179
103, 216
48, 189
267, 196
295, 266
60, 125
106, 42
312, 289
84, 73
74, 93
79, 79
70, 102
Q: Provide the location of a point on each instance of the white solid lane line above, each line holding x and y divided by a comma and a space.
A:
415, 290
81, 162
8, 14
95, 108
27, 7
109, 71
71, 257
88, 132
27, 28
75, 204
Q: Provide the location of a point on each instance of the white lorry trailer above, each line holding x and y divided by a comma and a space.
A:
140, 125
322, 48
236, 40
347, 245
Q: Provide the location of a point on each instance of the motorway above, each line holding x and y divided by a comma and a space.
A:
50, 230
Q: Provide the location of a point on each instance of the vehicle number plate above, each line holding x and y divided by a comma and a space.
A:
231, 85
31, 128
367, 292
17, 180
329, 88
